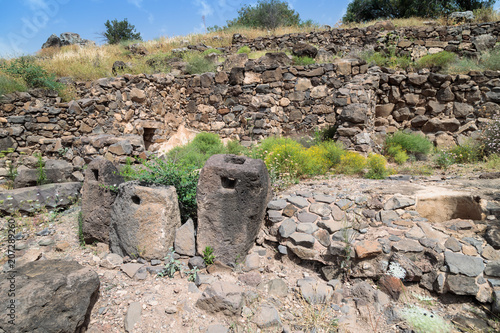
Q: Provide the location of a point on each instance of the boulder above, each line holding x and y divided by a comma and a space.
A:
56, 171
235, 60
31, 199
274, 60
355, 113
185, 242
304, 50
233, 192
144, 220
98, 195
50, 296
222, 297
66, 38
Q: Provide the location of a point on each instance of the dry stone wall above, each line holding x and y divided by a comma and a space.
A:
127, 115
467, 39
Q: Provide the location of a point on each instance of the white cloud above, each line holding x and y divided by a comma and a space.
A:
137, 3
205, 9
35, 4
151, 18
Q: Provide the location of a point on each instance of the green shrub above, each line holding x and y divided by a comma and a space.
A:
491, 60
41, 175
234, 147
493, 162
208, 255
351, 163
444, 159
333, 152
165, 172
410, 142
198, 64
210, 51
81, 239
198, 151
316, 162
491, 138
397, 154
388, 59
377, 167
441, 60
468, 152
33, 75
244, 49
159, 62
303, 61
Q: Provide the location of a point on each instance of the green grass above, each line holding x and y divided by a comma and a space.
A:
198, 64
389, 59
303, 61
409, 142
9, 84
441, 60
244, 49
210, 51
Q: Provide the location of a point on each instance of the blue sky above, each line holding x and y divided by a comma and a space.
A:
26, 24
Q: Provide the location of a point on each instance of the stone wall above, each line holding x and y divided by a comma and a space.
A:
124, 116
467, 39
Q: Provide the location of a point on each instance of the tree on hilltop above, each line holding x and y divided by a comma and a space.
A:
367, 10
268, 14
118, 31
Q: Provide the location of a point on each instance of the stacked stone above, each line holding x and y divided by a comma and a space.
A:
319, 224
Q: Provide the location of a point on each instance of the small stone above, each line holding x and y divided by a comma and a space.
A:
252, 278
155, 262
131, 268
289, 210
277, 204
274, 216
307, 228
337, 213
62, 246
320, 209
490, 253
493, 269
462, 285
111, 261
462, 264
324, 198
192, 288
217, 328
287, 228
133, 316
330, 225
196, 261
453, 245
46, 242
282, 249
302, 239
252, 261
407, 245
44, 232
300, 202
323, 237
267, 316
344, 204
365, 249
277, 287
391, 285
305, 217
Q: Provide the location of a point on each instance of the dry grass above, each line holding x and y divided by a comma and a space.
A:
315, 317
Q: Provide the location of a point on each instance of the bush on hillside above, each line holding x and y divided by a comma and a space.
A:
9, 84
303, 61
410, 142
351, 163
32, 74
244, 49
438, 61
198, 151
267, 14
198, 64
376, 167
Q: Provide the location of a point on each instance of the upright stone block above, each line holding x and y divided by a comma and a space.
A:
233, 192
97, 199
144, 220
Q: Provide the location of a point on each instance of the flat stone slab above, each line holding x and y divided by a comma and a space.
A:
407, 245
324, 198
462, 264
32, 199
306, 217
300, 202
277, 204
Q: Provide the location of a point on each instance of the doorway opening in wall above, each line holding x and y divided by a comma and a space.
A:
148, 137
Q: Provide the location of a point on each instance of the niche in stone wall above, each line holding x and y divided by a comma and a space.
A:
148, 135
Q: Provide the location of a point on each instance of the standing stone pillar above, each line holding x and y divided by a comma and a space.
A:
233, 192
101, 176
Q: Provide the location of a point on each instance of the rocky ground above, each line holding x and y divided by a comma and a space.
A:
273, 289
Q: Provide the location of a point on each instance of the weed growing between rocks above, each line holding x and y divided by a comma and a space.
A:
437, 61
244, 49
315, 317
81, 239
42, 176
198, 64
172, 265
303, 61
492, 137
208, 255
